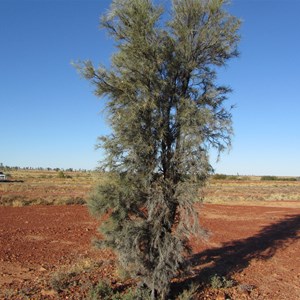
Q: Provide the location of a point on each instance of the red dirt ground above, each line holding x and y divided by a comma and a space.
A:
257, 247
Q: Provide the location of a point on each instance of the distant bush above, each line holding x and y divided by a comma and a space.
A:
269, 178
273, 178
228, 177
8, 176
289, 179
245, 178
233, 177
76, 200
219, 176
61, 174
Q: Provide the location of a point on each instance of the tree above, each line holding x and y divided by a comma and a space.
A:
165, 110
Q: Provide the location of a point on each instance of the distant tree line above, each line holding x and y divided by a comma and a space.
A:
275, 178
262, 178
16, 168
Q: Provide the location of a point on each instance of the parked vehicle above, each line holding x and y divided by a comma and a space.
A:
2, 176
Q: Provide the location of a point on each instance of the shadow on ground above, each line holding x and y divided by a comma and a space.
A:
235, 256
10, 181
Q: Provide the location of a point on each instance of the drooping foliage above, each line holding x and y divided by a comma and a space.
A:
165, 110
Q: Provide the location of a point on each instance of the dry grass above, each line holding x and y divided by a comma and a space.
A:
252, 191
67, 275
31, 187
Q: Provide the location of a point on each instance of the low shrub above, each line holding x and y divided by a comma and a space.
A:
218, 282
273, 178
75, 200
61, 281
219, 176
104, 291
189, 294
61, 174
269, 178
289, 179
67, 276
8, 200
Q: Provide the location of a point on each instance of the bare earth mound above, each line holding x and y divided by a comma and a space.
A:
46, 253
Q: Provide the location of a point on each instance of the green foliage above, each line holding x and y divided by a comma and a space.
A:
219, 176
189, 294
123, 273
104, 291
75, 200
165, 110
61, 280
269, 178
230, 177
67, 276
61, 174
101, 291
218, 282
136, 294
288, 179
8, 175
275, 178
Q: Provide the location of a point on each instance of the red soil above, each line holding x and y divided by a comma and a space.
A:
258, 247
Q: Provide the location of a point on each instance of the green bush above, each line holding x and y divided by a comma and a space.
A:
76, 200
273, 178
61, 281
189, 294
218, 282
289, 179
61, 174
8, 176
233, 177
219, 176
270, 178
104, 291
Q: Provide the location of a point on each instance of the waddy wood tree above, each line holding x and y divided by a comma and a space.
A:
165, 110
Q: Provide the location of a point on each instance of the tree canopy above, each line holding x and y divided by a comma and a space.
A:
165, 110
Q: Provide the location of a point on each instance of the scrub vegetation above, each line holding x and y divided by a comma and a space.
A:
166, 110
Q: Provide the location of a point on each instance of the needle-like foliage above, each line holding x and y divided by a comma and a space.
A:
165, 110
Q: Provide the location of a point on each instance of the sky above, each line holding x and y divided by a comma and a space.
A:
51, 118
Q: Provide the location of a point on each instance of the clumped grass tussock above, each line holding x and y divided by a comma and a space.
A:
104, 291
220, 282
189, 293
66, 276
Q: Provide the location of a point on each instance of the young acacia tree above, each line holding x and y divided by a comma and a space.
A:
165, 110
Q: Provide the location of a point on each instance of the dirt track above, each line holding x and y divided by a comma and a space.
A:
259, 247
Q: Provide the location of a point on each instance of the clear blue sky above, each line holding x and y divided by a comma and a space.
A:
50, 117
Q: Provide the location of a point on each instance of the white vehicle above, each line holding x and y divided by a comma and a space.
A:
2, 177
